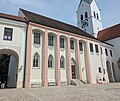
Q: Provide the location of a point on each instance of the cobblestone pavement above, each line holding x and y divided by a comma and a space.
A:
105, 92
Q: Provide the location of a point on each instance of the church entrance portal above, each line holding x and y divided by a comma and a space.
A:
73, 70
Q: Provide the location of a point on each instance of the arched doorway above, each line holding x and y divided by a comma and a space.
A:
73, 69
8, 68
109, 71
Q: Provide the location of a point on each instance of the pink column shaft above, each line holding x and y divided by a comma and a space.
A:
89, 77
69, 61
78, 60
28, 57
45, 60
58, 79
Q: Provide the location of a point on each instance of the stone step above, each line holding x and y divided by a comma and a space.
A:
77, 82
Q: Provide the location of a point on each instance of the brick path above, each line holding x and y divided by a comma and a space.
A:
106, 92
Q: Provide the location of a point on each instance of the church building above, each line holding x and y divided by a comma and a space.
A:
42, 51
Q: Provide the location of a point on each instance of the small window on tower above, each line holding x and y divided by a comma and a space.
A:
81, 17
86, 15
97, 16
94, 14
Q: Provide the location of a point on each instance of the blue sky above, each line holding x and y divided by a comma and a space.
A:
63, 10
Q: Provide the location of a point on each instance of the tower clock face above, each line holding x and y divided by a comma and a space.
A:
84, 23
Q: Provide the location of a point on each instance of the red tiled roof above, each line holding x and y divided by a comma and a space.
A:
109, 33
12, 17
39, 19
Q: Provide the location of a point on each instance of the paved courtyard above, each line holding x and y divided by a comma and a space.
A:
106, 92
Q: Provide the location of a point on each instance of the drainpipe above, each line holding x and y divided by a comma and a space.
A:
25, 55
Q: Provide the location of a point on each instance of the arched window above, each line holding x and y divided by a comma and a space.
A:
36, 60
62, 62
36, 37
81, 17
50, 61
86, 15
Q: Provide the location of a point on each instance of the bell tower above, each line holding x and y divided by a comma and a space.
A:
88, 17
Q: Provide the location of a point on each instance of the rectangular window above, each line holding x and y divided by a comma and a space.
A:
8, 34
91, 47
36, 37
50, 40
111, 53
96, 48
71, 44
81, 46
61, 42
106, 52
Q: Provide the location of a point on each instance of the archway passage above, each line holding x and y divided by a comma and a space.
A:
109, 71
8, 69
73, 69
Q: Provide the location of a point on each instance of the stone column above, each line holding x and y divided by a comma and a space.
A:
28, 57
78, 60
89, 78
69, 72
58, 74
45, 60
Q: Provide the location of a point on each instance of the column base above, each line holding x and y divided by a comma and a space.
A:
19, 84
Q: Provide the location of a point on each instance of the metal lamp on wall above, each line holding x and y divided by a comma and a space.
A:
118, 63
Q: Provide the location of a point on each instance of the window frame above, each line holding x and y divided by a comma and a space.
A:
86, 15
100, 70
62, 62
81, 46
50, 40
50, 61
81, 17
106, 52
8, 36
96, 49
91, 47
72, 47
36, 61
97, 16
62, 42
94, 14
111, 53
37, 36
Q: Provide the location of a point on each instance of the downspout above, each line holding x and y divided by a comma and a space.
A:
25, 55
